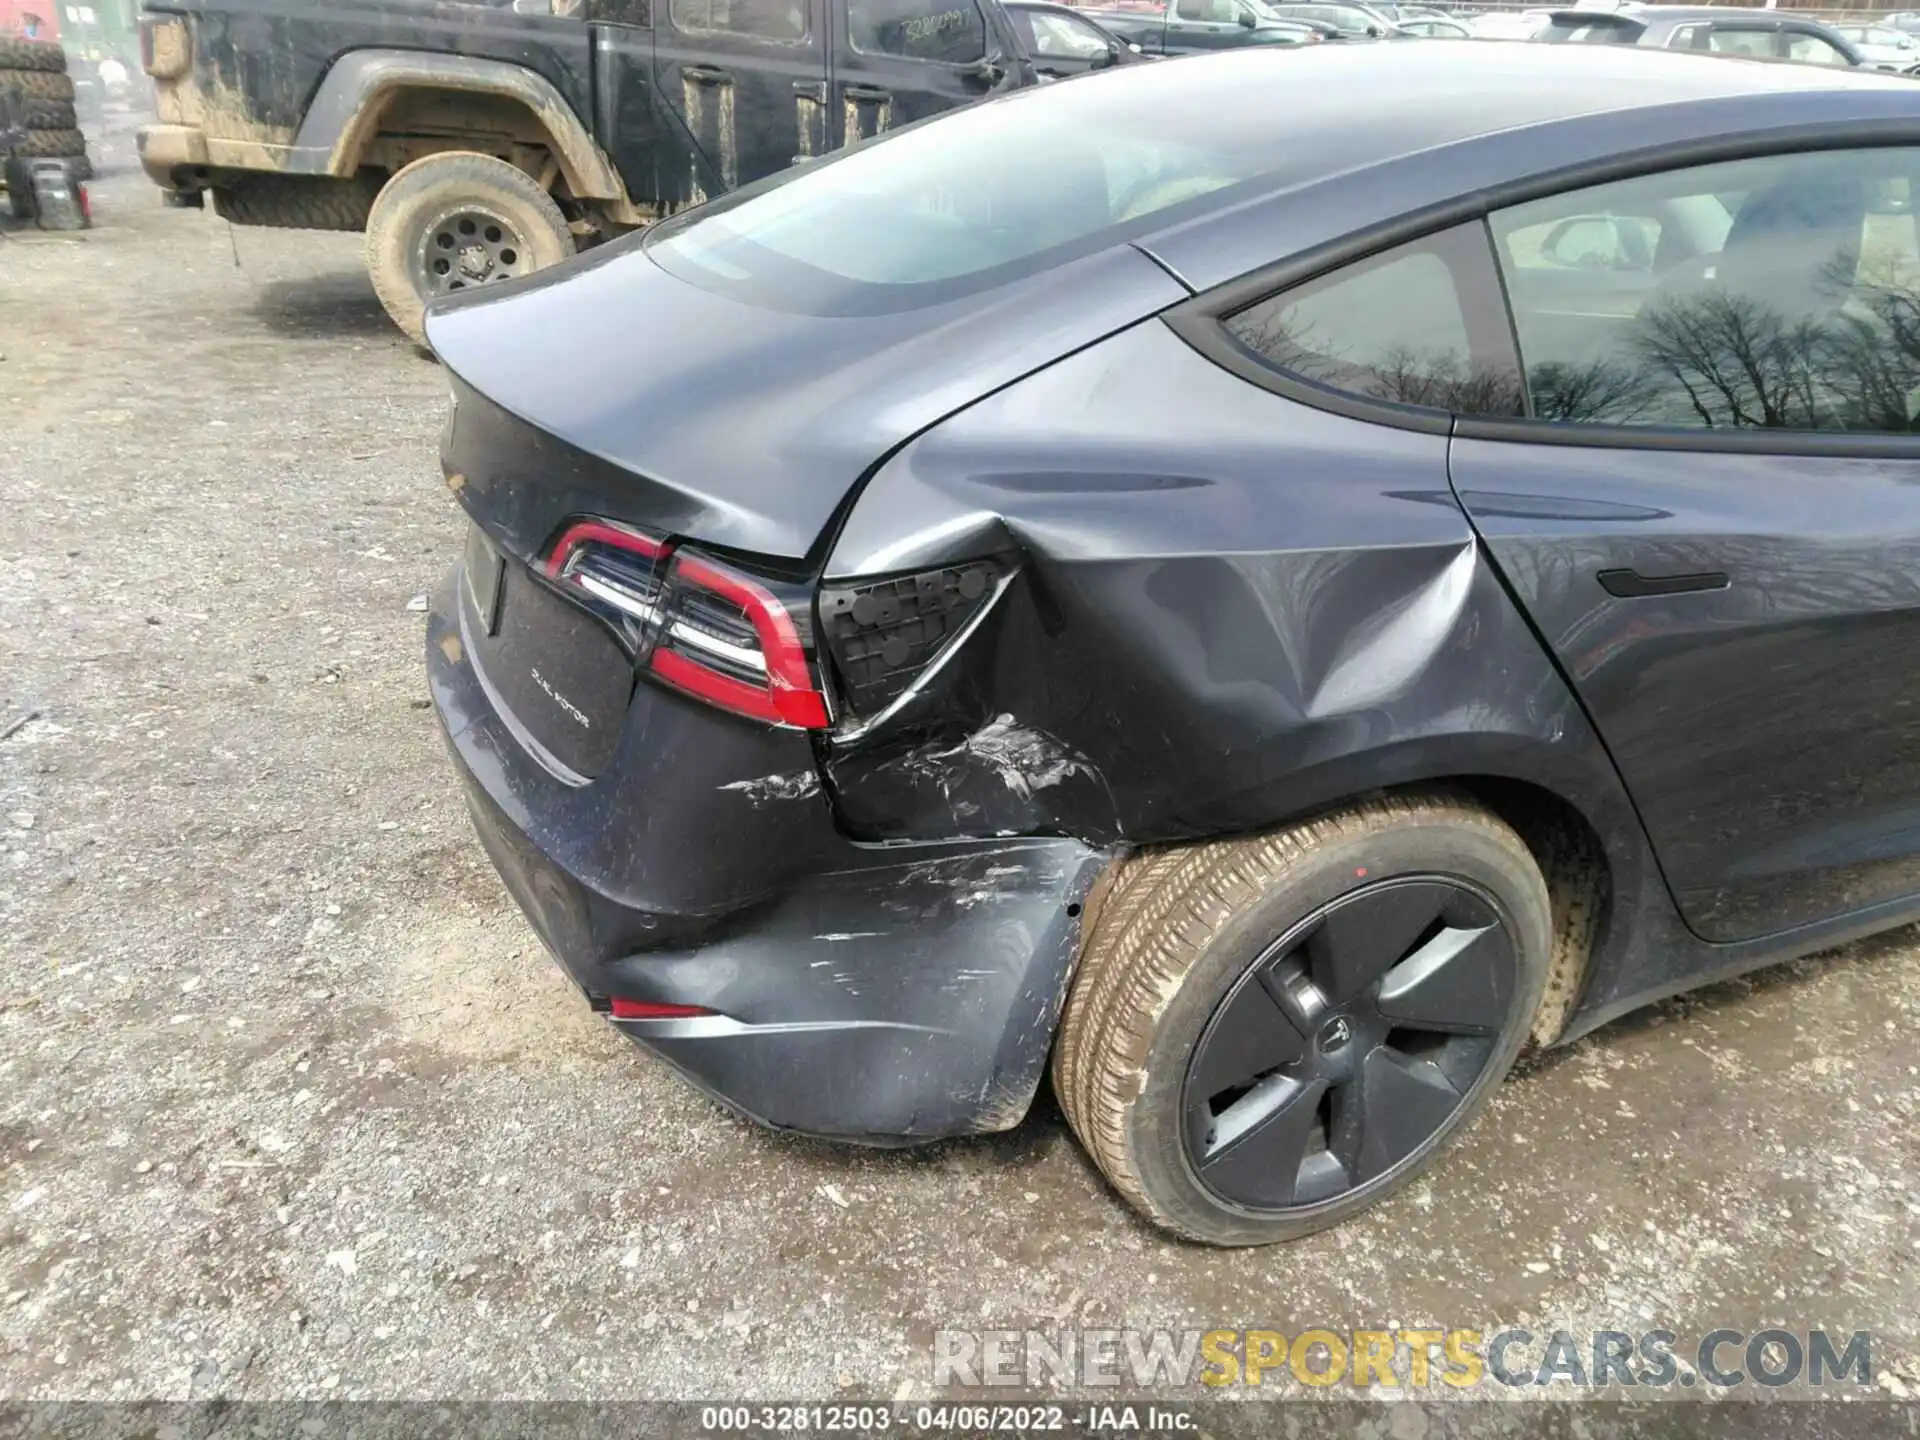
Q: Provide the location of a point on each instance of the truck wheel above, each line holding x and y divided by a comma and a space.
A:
17, 53
35, 85
51, 145
454, 221
1268, 1035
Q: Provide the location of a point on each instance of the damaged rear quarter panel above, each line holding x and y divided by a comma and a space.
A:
1229, 608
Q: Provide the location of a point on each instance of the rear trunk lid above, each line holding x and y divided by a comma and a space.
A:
611, 387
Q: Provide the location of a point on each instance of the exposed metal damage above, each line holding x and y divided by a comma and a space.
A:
1026, 760
801, 785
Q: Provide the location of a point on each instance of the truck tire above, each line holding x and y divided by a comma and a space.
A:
47, 115
17, 53
297, 202
51, 145
1267, 1035
25, 85
454, 221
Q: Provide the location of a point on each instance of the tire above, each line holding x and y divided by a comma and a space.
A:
461, 204
35, 85
48, 115
51, 145
17, 53
1253, 954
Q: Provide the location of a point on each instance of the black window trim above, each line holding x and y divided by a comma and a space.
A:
808, 41
1200, 320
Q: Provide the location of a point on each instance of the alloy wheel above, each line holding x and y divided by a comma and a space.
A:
468, 247
1349, 1045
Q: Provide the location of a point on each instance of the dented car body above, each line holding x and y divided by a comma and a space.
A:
851, 584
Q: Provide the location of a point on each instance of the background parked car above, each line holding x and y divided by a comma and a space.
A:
1884, 47
1716, 29
1062, 42
1505, 25
477, 143
1182, 27
1353, 21
1434, 27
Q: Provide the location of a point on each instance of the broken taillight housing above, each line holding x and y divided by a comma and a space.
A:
884, 634
700, 626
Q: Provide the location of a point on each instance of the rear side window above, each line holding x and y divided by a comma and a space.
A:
951, 32
1811, 49
1061, 37
1747, 43
780, 20
1775, 293
1418, 325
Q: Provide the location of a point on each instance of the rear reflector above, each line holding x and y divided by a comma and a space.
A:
702, 627
624, 1009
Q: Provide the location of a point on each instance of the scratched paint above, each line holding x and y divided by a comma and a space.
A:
800, 785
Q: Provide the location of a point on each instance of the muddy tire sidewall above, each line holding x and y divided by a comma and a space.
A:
424, 192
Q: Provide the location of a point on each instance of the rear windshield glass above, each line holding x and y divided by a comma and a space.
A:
1593, 32
970, 200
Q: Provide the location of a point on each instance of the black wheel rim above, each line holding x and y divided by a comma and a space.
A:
467, 247
1349, 1045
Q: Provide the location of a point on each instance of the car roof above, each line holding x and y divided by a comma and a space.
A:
1414, 96
1536, 109
1681, 12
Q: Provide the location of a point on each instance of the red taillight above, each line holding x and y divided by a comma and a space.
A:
703, 627
697, 662
624, 1009
584, 532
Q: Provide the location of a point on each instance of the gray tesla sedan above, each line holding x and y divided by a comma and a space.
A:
1275, 614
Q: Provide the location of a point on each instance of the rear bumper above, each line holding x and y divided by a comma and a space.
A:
882, 993
166, 150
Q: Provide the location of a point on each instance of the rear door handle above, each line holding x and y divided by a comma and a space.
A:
1632, 585
815, 90
867, 92
706, 75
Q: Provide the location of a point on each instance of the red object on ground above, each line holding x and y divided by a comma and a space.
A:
14, 13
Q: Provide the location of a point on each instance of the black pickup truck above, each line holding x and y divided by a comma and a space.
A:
1184, 27
476, 140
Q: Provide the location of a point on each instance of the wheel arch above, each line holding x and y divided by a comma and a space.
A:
363, 86
1589, 882
1574, 861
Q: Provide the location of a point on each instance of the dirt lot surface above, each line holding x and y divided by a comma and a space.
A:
291, 1103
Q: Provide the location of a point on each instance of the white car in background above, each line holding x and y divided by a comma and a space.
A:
1883, 47
1509, 25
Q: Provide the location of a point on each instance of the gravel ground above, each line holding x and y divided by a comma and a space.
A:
291, 1103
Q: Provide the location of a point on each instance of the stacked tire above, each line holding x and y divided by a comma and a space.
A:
35, 86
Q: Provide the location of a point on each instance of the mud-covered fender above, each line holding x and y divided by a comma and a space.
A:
339, 121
